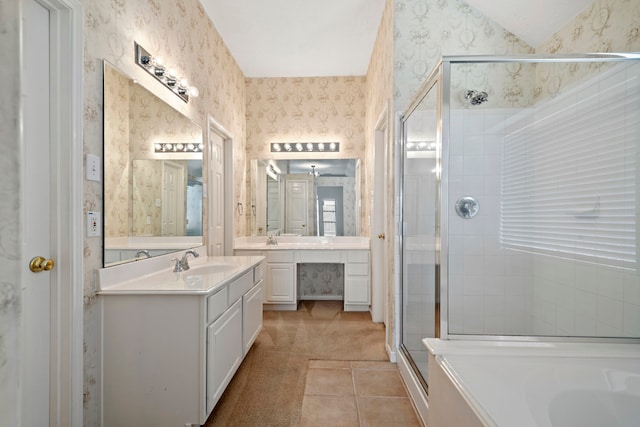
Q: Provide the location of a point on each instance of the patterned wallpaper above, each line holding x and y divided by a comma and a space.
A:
310, 109
427, 29
321, 280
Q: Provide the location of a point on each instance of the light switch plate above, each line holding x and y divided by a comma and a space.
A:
94, 226
93, 167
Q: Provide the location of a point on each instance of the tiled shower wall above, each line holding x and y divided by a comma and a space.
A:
493, 290
489, 287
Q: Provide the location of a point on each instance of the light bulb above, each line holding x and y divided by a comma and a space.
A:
193, 91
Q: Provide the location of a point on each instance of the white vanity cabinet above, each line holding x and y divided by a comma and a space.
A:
281, 287
167, 357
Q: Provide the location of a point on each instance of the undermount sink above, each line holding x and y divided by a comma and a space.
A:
210, 269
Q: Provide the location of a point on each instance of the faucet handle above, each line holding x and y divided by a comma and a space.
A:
178, 266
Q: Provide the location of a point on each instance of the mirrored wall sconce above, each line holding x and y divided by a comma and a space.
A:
420, 149
305, 147
165, 75
172, 147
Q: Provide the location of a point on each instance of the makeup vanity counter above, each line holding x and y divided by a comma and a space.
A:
282, 259
171, 342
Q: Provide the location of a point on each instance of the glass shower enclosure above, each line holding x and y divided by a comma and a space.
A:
519, 201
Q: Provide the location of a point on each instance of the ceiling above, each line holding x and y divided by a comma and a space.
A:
305, 38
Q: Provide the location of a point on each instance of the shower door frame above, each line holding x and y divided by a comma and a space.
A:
441, 75
434, 78
443, 286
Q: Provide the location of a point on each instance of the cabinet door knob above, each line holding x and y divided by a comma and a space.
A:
381, 236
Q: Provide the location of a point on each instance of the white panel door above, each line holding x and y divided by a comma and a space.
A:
379, 245
297, 207
216, 204
173, 207
36, 290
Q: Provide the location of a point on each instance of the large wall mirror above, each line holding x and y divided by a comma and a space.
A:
152, 200
306, 197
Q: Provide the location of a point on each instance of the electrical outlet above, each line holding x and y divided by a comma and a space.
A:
93, 167
93, 224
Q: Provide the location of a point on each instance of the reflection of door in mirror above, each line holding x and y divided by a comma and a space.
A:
173, 200
297, 198
163, 203
273, 204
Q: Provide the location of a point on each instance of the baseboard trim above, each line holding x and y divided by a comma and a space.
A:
416, 392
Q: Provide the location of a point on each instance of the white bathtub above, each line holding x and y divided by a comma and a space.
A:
535, 384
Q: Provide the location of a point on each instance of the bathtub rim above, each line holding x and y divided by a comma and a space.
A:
440, 349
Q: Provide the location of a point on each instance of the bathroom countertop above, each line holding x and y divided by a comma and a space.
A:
204, 276
303, 243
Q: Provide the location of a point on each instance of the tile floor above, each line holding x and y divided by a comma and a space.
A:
355, 394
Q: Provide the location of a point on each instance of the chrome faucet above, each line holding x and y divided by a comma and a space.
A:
143, 252
183, 264
271, 239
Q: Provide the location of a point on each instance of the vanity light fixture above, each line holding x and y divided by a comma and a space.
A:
177, 147
305, 147
167, 76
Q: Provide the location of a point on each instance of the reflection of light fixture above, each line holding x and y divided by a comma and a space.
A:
420, 149
171, 147
168, 77
313, 171
307, 147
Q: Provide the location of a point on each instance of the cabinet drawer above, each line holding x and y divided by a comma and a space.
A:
318, 256
280, 256
216, 304
246, 252
258, 272
358, 256
357, 269
240, 286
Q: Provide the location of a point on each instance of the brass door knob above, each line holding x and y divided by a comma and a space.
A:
38, 264
381, 236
